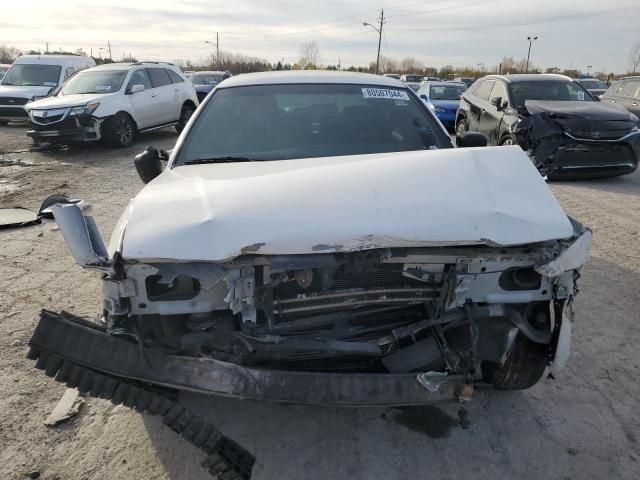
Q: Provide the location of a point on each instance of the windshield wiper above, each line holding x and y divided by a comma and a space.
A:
226, 159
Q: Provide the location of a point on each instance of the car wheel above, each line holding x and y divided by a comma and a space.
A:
523, 368
119, 130
508, 140
461, 129
185, 115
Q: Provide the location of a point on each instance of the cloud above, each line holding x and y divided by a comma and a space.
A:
274, 29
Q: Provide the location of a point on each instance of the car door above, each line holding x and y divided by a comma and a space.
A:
179, 95
629, 95
146, 111
162, 93
478, 102
491, 119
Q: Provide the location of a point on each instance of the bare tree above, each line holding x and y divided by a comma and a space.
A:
634, 58
388, 64
8, 54
410, 65
309, 55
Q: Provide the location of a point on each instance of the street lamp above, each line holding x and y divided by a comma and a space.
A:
589, 69
531, 39
379, 31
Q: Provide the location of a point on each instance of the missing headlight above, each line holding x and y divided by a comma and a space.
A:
516, 279
182, 287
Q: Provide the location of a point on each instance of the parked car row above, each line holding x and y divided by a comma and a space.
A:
68, 98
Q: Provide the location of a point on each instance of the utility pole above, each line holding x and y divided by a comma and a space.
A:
217, 45
379, 30
47, 43
531, 39
109, 45
500, 69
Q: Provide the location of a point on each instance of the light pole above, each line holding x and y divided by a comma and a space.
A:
531, 39
217, 45
589, 69
379, 30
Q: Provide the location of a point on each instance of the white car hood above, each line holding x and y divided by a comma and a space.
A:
215, 212
60, 101
24, 92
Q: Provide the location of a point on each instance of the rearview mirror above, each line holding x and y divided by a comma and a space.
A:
136, 88
148, 164
472, 139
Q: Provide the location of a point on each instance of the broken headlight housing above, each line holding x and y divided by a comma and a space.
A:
87, 109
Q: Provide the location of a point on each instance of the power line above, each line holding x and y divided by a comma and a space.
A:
576, 16
340, 22
444, 9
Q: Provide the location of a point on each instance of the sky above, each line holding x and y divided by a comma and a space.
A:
571, 34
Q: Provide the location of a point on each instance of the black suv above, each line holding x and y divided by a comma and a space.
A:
565, 130
625, 92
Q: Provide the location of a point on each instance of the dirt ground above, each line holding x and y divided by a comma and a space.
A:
582, 425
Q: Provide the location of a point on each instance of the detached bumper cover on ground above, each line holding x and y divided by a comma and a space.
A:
86, 344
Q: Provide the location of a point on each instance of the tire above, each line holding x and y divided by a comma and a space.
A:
461, 129
185, 115
119, 131
508, 140
524, 367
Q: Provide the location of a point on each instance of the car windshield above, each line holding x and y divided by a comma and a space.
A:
413, 78
94, 82
445, 92
278, 122
548, 90
205, 79
593, 84
25, 74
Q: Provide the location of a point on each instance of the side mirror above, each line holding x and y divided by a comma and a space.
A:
472, 139
148, 164
136, 88
497, 102
423, 96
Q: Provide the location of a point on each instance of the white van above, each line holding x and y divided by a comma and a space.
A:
32, 77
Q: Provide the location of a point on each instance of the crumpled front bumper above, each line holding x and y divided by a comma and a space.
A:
87, 345
82, 128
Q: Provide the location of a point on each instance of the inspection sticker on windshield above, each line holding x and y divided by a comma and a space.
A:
384, 93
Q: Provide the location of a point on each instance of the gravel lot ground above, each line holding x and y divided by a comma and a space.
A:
582, 425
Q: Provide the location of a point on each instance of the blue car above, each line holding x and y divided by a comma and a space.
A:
445, 97
204, 82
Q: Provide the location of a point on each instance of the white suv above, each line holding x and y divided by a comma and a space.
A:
114, 102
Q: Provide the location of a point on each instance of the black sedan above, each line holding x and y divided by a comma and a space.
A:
564, 129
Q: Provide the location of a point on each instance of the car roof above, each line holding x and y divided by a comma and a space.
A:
526, 77
127, 65
310, 76
443, 83
54, 59
630, 77
210, 72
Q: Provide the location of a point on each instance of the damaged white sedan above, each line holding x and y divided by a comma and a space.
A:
316, 238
